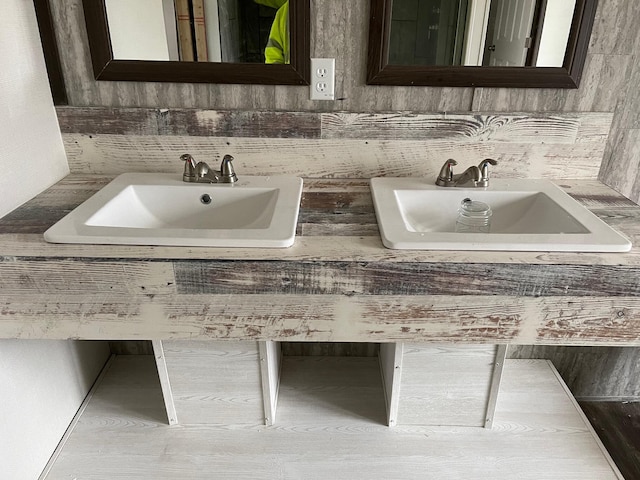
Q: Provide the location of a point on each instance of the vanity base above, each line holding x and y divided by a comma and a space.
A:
538, 433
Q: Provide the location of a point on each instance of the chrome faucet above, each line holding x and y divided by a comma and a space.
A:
201, 173
471, 177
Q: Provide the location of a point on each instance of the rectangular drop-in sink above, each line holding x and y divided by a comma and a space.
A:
161, 209
527, 215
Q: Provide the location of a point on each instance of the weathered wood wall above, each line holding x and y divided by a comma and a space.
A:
339, 29
621, 163
591, 372
115, 140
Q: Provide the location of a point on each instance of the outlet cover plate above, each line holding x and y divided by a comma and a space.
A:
323, 79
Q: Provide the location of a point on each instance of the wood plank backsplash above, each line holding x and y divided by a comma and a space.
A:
334, 145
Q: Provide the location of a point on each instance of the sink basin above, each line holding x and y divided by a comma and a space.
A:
161, 209
528, 215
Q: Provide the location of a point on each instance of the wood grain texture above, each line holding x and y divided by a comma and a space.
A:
606, 74
618, 426
606, 85
331, 391
380, 278
499, 128
591, 372
327, 288
105, 140
496, 381
436, 319
445, 385
603, 81
115, 154
270, 362
336, 26
189, 122
330, 349
621, 162
390, 359
343, 27
215, 383
539, 435
165, 382
325, 201
512, 128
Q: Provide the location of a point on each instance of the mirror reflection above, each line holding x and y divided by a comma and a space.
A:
480, 32
230, 31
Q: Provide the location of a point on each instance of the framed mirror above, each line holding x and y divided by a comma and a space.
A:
479, 43
201, 41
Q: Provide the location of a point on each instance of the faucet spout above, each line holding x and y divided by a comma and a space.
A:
205, 175
469, 178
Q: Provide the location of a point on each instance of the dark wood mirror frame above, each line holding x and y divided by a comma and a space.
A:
105, 67
50, 50
380, 72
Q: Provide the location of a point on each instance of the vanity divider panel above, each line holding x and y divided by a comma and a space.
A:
239, 382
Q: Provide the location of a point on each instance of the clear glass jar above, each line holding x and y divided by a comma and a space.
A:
473, 217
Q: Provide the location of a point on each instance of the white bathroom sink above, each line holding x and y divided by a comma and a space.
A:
161, 209
528, 215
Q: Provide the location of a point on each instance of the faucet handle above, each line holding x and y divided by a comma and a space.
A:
189, 174
484, 170
446, 172
227, 173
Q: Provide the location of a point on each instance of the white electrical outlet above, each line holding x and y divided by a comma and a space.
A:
323, 79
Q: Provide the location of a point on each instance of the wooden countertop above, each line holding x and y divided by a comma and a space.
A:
337, 283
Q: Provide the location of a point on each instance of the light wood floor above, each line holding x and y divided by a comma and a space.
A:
322, 432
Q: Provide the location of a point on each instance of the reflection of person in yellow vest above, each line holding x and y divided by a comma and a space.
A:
277, 50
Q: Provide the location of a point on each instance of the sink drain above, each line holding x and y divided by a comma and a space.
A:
206, 199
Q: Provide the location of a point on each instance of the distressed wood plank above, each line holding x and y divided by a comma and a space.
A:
367, 230
77, 277
512, 128
523, 128
496, 319
317, 248
190, 122
375, 278
332, 158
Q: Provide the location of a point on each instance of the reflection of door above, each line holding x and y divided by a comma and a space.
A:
510, 28
427, 32
192, 36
